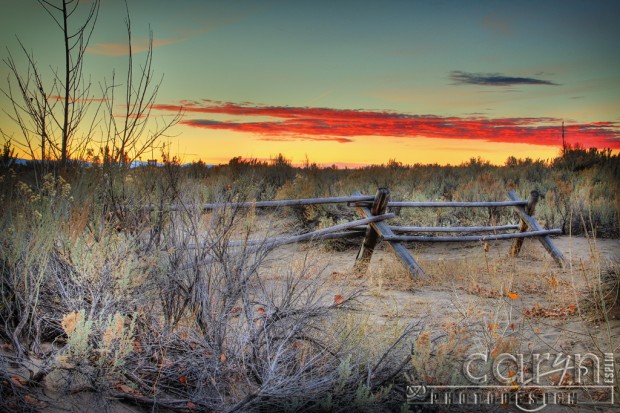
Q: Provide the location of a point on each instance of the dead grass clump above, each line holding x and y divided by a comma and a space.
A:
392, 275
437, 358
485, 275
600, 298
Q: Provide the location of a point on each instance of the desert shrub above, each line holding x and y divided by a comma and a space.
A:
28, 251
310, 216
168, 308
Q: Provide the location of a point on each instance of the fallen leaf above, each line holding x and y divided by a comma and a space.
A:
553, 281
486, 247
18, 381
260, 310
601, 395
555, 312
514, 296
338, 299
183, 379
222, 357
561, 380
124, 388
137, 347
493, 327
30, 400
191, 405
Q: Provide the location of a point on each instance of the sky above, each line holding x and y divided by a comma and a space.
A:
359, 82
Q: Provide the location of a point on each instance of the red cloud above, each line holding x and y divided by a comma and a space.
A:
74, 99
342, 124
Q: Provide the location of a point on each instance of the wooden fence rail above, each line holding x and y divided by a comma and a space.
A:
265, 204
448, 229
321, 233
463, 238
398, 204
524, 208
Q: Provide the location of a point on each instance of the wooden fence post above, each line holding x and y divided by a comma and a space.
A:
364, 255
530, 208
527, 219
383, 230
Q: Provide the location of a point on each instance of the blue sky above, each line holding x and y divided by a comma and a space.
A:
521, 66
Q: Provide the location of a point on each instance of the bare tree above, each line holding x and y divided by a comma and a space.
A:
55, 114
75, 97
55, 111
30, 105
129, 135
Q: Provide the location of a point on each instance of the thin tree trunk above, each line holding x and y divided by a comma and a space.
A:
65, 126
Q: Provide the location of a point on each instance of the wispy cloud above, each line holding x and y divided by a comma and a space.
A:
122, 48
73, 99
343, 125
199, 19
495, 79
497, 25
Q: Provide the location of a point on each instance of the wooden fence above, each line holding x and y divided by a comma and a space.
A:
374, 212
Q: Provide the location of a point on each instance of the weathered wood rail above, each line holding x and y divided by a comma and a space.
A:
319, 234
268, 204
493, 237
374, 212
447, 229
449, 204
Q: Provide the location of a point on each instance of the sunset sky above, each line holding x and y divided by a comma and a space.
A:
358, 82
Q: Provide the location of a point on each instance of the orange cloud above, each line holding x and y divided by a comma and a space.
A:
342, 125
122, 48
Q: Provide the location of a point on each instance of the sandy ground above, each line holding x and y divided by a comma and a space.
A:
528, 304
464, 270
